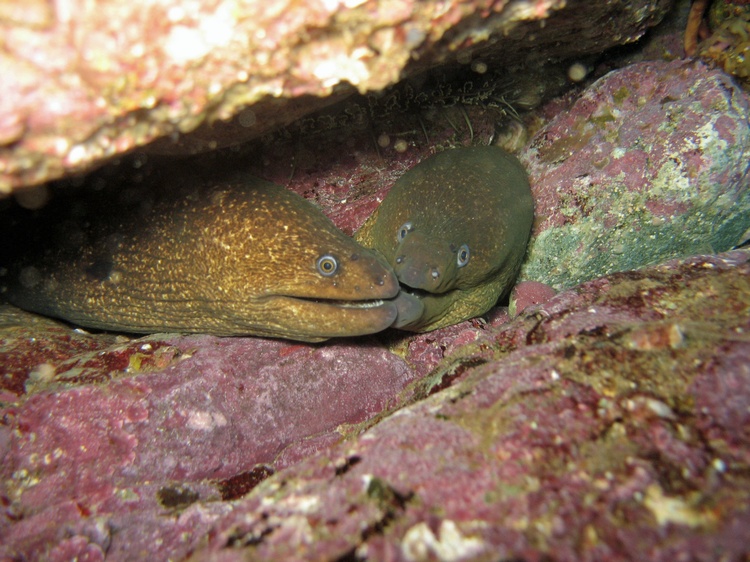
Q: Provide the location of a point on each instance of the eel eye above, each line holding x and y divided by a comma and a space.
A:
405, 229
463, 255
327, 265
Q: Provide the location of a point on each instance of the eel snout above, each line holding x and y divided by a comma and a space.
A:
376, 277
425, 263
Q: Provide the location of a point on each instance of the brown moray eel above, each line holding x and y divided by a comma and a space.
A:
455, 229
236, 257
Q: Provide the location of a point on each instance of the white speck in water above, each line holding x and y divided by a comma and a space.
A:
577, 72
400, 145
479, 67
463, 57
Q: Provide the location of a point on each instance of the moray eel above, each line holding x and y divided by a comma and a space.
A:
236, 257
455, 229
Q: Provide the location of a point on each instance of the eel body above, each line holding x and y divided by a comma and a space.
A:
237, 257
455, 229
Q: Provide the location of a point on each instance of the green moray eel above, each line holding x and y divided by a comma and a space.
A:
236, 257
455, 229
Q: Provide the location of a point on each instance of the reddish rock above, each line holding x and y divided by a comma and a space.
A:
85, 82
526, 294
29, 359
609, 423
593, 435
124, 447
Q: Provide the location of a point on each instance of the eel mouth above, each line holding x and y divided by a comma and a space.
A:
419, 293
375, 303
337, 317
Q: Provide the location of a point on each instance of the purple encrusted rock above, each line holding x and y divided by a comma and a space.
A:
608, 423
526, 294
127, 450
611, 425
85, 82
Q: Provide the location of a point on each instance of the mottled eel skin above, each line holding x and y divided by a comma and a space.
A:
455, 229
236, 257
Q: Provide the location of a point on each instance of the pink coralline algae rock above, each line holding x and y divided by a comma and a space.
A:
526, 294
611, 425
85, 81
114, 463
649, 163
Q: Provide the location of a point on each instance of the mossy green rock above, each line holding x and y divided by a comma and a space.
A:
650, 163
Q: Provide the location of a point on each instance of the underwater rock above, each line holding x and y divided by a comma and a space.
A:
607, 427
136, 432
607, 423
88, 82
649, 163
526, 294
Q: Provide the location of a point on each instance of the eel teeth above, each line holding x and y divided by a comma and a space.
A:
350, 304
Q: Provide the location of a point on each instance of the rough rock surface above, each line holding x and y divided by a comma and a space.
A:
650, 162
528, 293
83, 82
610, 423
122, 436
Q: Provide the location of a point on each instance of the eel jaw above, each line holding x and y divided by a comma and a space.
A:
409, 309
315, 319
